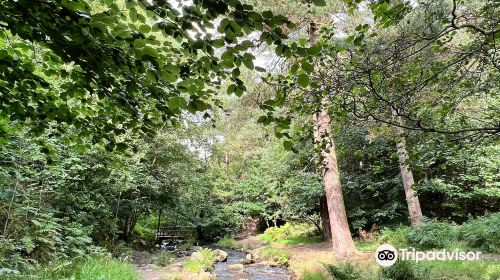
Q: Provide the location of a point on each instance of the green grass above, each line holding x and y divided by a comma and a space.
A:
291, 233
279, 256
90, 269
206, 263
300, 240
314, 275
464, 270
366, 246
228, 242
193, 266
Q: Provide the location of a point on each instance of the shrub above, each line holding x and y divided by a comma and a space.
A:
227, 242
206, 263
208, 256
119, 250
288, 231
186, 244
164, 258
345, 271
193, 265
432, 235
405, 270
279, 256
456, 269
90, 269
145, 233
483, 233
396, 237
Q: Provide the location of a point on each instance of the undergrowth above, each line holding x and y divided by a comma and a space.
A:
90, 269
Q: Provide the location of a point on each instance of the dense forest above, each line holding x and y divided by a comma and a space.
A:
301, 134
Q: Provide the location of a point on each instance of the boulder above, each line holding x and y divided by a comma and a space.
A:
245, 261
249, 259
220, 255
206, 276
236, 266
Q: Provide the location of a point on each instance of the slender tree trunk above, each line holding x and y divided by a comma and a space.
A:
226, 162
326, 231
14, 193
342, 242
408, 182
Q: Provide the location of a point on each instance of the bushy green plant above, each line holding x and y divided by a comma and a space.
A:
483, 233
145, 233
205, 263
396, 237
227, 242
193, 265
460, 270
44, 238
288, 231
119, 249
432, 234
163, 258
208, 257
277, 255
89, 269
345, 271
405, 270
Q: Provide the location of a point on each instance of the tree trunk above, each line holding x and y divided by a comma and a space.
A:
408, 184
326, 231
342, 242
407, 176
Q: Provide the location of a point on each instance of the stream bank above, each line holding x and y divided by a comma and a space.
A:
232, 269
235, 267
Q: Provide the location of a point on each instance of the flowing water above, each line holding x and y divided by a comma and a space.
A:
252, 271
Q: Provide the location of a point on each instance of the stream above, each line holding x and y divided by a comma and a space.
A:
254, 271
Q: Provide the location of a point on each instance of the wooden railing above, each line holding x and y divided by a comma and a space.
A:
174, 232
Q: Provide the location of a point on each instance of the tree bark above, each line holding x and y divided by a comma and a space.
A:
342, 242
326, 231
408, 182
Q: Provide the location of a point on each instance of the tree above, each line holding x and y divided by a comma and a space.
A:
341, 238
108, 67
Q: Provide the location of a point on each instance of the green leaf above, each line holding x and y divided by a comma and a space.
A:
231, 89
303, 80
177, 102
172, 69
303, 42
319, 3
306, 66
287, 144
133, 14
151, 76
145, 28
248, 63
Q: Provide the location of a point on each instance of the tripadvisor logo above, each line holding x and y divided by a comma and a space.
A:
386, 255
